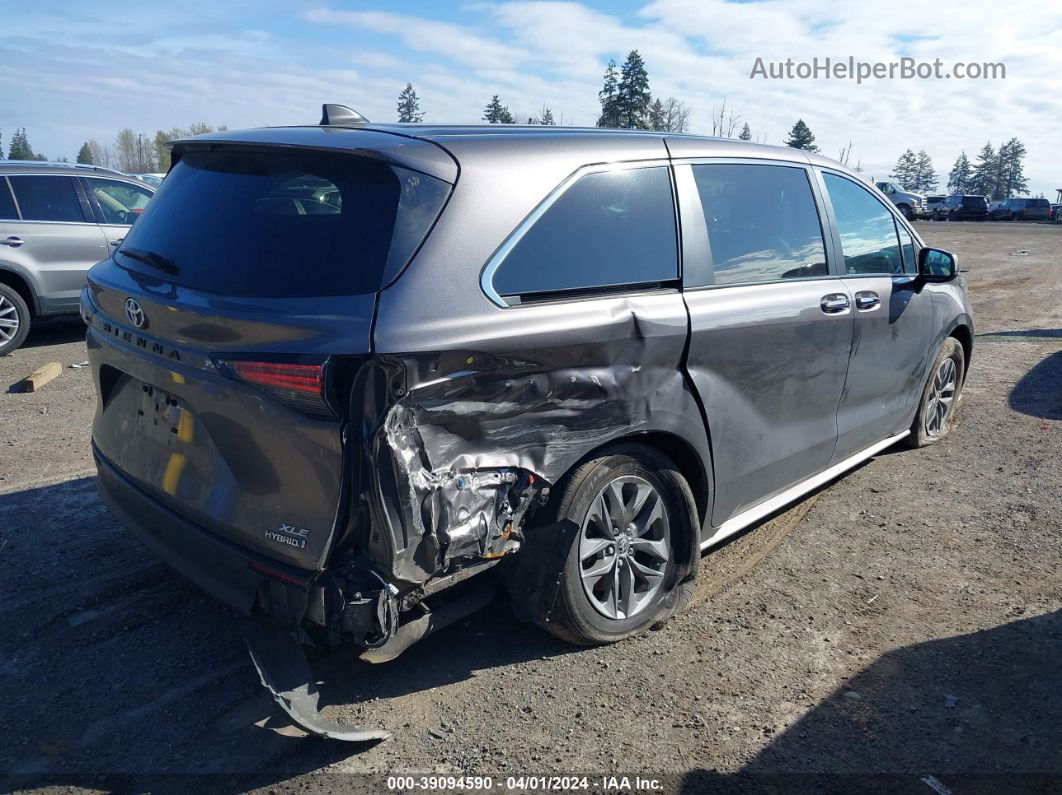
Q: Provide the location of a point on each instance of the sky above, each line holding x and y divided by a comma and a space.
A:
72, 71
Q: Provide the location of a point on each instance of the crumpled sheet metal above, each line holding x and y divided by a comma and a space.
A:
282, 666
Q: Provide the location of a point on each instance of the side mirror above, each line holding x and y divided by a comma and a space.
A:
937, 265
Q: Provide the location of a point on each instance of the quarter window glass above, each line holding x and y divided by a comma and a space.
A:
47, 198
762, 223
609, 229
907, 245
867, 229
7, 203
120, 202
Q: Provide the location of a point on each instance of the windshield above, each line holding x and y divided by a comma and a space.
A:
276, 224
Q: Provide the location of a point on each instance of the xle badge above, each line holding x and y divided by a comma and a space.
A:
290, 535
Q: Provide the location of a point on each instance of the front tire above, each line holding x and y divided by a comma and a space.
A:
630, 562
14, 320
941, 395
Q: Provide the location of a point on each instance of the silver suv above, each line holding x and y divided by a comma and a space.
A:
56, 221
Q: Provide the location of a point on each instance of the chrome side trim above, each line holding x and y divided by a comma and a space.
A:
767, 507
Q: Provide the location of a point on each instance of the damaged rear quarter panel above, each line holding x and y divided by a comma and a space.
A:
474, 433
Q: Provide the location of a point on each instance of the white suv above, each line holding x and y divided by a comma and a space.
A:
56, 221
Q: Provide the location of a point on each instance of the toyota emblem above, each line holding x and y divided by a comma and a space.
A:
135, 313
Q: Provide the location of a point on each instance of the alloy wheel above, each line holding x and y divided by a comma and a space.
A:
624, 547
9, 320
941, 397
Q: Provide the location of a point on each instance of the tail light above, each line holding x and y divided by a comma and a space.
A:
299, 385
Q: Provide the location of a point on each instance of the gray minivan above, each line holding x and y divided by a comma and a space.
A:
345, 370
56, 221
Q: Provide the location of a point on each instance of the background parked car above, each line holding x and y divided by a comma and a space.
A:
1021, 210
933, 204
154, 180
911, 205
56, 221
1054, 213
963, 208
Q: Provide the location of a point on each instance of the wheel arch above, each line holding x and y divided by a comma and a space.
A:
685, 457
964, 335
20, 285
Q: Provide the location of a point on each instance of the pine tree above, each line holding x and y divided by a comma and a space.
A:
801, 137
925, 176
959, 177
1011, 170
905, 171
546, 117
746, 133
84, 154
632, 94
409, 105
656, 116
983, 180
20, 148
607, 97
1, 144
496, 113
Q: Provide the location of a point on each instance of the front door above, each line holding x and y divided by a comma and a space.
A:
893, 318
771, 329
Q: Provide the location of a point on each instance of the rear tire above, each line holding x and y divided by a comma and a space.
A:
14, 320
941, 395
617, 581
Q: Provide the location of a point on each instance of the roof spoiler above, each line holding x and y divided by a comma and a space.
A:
341, 116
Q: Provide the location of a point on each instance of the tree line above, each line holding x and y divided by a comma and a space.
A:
131, 152
995, 174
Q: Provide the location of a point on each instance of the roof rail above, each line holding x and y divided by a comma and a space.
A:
341, 116
58, 164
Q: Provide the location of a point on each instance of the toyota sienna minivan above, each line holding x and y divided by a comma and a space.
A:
345, 370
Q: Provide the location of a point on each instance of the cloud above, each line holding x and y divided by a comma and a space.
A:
66, 75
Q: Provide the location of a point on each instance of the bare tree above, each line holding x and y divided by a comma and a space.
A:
675, 115
724, 124
846, 152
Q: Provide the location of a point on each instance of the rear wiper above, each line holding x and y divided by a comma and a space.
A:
164, 264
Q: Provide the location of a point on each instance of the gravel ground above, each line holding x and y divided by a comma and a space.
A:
900, 629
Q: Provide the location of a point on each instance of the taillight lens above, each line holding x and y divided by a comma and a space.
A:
299, 385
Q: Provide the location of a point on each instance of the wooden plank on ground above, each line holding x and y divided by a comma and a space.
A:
39, 377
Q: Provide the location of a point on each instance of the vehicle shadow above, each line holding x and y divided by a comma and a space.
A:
973, 713
118, 673
55, 331
1039, 392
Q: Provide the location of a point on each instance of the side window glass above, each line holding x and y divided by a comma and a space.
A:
762, 223
910, 264
608, 229
7, 202
47, 198
867, 229
120, 202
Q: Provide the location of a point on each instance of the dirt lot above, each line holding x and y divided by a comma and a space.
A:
906, 621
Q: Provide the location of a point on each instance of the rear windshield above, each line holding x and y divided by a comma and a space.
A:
275, 224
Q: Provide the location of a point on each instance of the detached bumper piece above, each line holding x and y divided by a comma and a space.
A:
285, 673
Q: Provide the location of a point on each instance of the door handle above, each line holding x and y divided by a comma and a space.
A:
117, 242
867, 300
12, 241
834, 303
